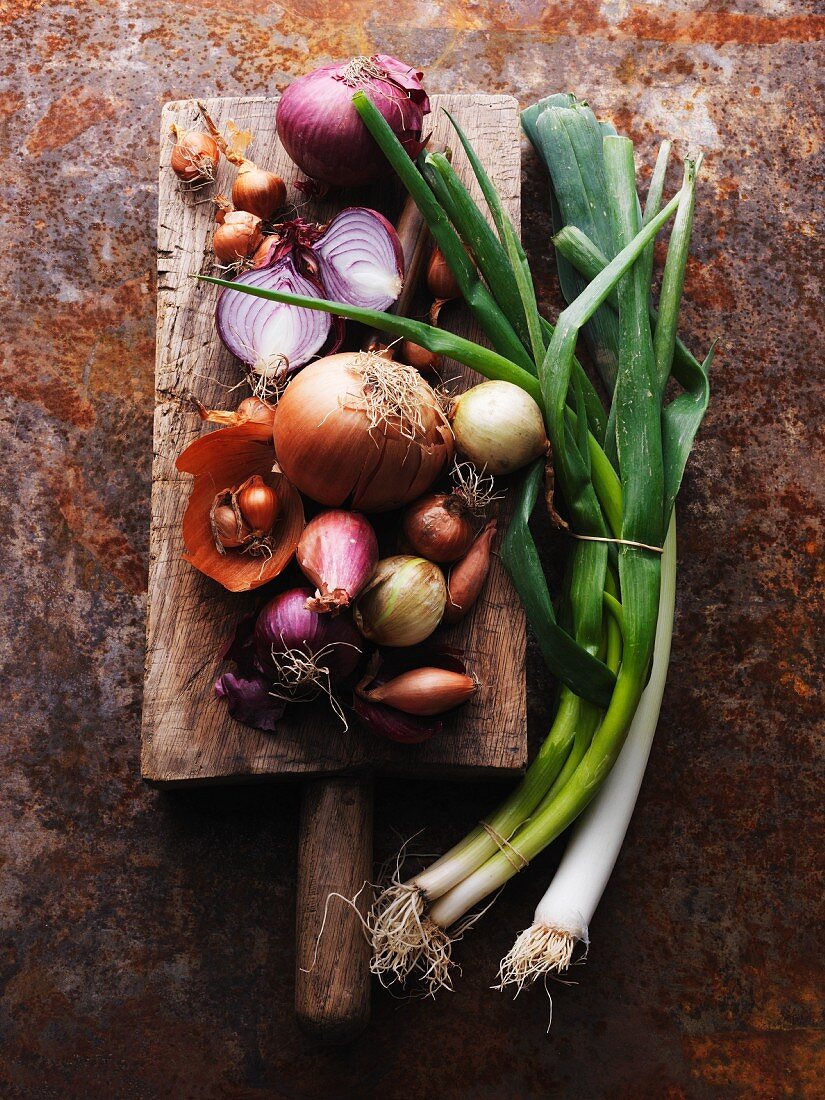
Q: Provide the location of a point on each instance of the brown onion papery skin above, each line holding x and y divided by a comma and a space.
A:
424, 691
224, 458
438, 527
325, 449
467, 576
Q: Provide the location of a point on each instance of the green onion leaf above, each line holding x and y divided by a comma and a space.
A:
569, 141
438, 340
574, 665
479, 299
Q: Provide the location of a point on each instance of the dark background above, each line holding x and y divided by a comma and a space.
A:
147, 943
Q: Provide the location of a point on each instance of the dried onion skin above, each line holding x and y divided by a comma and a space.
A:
226, 458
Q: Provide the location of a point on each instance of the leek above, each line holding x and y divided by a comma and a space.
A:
563, 916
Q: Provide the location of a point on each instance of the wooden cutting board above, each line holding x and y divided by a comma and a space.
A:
187, 734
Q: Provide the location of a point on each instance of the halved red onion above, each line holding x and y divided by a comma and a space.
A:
267, 334
362, 262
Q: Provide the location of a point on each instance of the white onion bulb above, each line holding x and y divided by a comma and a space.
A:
498, 426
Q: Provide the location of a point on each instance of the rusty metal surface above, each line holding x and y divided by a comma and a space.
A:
147, 940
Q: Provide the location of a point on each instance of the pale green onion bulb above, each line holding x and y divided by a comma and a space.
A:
498, 426
403, 603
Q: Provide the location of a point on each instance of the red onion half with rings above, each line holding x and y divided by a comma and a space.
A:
323, 133
361, 259
274, 339
356, 258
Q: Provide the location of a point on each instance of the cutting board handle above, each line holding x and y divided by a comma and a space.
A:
332, 979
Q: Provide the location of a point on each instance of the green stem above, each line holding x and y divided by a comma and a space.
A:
673, 279
438, 340
479, 299
589, 260
543, 827
480, 844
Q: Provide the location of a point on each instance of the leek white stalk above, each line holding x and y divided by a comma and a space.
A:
563, 915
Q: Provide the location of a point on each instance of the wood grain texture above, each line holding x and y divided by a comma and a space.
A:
332, 978
188, 736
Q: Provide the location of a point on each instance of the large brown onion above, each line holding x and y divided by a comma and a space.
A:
361, 430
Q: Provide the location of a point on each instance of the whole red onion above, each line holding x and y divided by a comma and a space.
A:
338, 551
304, 652
323, 133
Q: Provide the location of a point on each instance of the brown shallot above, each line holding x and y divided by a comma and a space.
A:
467, 576
258, 191
195, 156
237, 237
438, 526
228, 525
420, 358
441, 282
258, 505
442, 526
423, 691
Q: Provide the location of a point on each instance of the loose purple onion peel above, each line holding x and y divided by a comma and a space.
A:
250, 700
